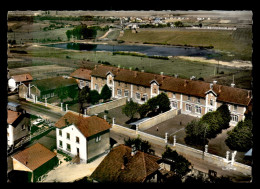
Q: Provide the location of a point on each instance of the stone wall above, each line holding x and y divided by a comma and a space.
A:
157, 119
106, 106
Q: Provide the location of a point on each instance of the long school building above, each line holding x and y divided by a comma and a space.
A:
191, 97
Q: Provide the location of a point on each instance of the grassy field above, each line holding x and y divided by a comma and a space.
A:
238, 43
184, 68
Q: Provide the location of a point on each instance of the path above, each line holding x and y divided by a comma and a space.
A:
102, 37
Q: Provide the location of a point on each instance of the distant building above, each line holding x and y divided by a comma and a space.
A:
126, 165
82, 76
83, 136
35, 161
16, 80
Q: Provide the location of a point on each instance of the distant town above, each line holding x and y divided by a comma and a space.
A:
129, 97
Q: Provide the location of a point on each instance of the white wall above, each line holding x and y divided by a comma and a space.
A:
82, 145
12, 84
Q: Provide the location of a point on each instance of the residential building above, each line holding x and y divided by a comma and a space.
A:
16, 80
83, 136
35, 160
82, 76
45, 88
124, 164
18, 127
191, 97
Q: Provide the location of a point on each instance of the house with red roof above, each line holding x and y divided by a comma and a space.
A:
36, 160
16, 80
123, 164
82, 76
85, 137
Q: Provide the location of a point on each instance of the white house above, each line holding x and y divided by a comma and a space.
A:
83, 136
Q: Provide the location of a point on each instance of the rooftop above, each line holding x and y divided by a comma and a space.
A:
22, 77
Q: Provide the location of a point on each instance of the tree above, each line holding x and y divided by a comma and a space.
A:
82, 96
225, 114
130, 109
93, 97
240, 138
163, 102
196, 133
179, 165
143, 110
140, 144
73, 94
68, 34
106, 93
178, 24
152, 102
61, 92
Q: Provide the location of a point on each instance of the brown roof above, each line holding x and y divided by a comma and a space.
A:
82, 73
136, 170
22, 77
179, 85
87, 125
12, 116
34, 156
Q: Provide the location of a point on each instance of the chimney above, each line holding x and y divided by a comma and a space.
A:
211, 85
176, 75
130, 68
118, 66
192, 77
185, 83
85, 112
233, 84
161, 73
95, 67
135, 73
133, 152
105, 117
248, 94
219, 89
214, 82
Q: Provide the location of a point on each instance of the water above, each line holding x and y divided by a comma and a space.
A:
144, 49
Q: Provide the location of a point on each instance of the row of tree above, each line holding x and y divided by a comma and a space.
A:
82, 32
152, 107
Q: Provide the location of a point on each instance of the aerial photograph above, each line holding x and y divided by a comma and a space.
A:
129, 96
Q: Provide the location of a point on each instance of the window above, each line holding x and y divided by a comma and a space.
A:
137, 87
198, 100
110, 81
211, 102
52, 94
96, 87
125, 84
119, 92
189, 98
210, 110
174, 104
173, 95
60, 132
235, 107
144, 97
234, 118
154, 90
98, 138
118, 83
77, 139
138, 96
198, 109
188, 107
60, 143
68, 147
23, 127
68, 136
126, 93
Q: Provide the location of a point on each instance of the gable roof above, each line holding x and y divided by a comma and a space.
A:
82, 73
179, 85
34, 156
136, 170
12, 116
22, 77
88, 126
53, 83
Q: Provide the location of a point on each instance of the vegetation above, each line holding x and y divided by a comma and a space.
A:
180, 165
106, 93
240, 138
82, 96
62, 93
130, 109
139, 144
93, 97
81, 32
139, 55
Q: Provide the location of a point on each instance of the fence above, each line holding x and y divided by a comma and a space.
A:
106, 106
157, 119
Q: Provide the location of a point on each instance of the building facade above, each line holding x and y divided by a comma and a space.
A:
192, 97
83, 136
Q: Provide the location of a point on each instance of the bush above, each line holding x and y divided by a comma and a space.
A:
106, 93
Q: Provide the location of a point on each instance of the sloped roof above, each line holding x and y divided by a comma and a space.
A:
88, 126
12, 116
22, 77
53, 83
136, 170
82, 73
34, 156
179, 85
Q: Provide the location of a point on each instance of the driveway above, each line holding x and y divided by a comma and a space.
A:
67, 172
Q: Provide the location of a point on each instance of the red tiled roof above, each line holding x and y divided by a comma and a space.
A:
136, 170
87, 125
22, 77
12, 116
82, 73
34, 156
179, 85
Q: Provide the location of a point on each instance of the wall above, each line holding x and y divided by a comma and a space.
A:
106, 106
157, 119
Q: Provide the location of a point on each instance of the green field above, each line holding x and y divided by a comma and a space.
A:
235, 44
